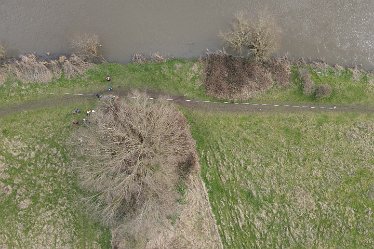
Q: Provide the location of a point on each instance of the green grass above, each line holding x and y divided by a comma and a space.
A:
289, 180
345, 89
185, 77
274, 180
39, 195
175, 77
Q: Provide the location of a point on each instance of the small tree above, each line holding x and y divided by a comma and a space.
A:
87, 47
248, 38
134, 153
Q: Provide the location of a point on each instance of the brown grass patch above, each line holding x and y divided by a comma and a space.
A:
31, 69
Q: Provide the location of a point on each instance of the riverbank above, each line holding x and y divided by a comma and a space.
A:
181, 77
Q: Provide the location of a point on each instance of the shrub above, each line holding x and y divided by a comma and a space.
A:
29, 69
74, 66
356, 73
323, 91
308, 84
87, 47
258, 39
280, 69
135, 153
235, 78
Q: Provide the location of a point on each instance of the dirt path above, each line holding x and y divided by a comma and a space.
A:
205, 105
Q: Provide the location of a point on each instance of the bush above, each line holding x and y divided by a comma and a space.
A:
134, 154
323, 91
280, 69
235, 78
31, 69
87, 47
357, 74
308, 84
74, 66
258, 39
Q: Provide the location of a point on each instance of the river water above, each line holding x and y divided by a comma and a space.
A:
338, 31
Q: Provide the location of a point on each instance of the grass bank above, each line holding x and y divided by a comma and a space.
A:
186, 78
38, 191
347, 88
175, 77
289, 180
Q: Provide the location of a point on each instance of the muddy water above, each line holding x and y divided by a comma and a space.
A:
339, 31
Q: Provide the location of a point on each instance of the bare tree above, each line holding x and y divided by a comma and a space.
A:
87, 47
252, 38
133, 154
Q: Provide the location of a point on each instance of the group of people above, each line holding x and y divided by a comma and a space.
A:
85, 121
89, 112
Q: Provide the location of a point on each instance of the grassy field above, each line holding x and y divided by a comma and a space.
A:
185, 78
274, 180
38, 191
289, 180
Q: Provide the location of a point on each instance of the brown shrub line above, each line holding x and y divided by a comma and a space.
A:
231, 77
31, 69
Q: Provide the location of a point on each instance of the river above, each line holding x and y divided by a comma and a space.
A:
338, 31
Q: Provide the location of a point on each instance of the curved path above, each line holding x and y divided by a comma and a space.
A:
207, 105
